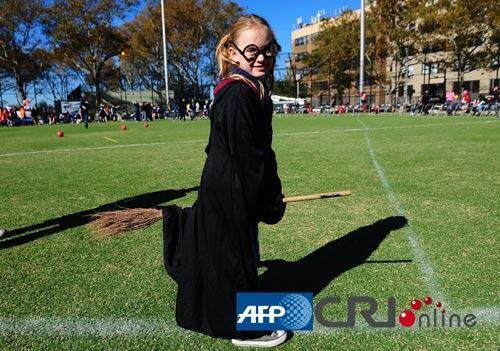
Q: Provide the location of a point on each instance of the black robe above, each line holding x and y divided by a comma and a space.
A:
211, 249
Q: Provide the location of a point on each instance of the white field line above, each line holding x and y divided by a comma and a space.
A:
136, 327
423, 262
385, 128
205, 140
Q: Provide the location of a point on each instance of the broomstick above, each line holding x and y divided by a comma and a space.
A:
111, 223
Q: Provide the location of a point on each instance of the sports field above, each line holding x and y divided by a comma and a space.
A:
62, 289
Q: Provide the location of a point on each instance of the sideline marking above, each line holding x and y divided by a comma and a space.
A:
135, 327
423, 262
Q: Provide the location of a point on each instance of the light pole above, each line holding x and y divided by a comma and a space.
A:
362, 51
165, 66
1, 94
123, 86
297, 78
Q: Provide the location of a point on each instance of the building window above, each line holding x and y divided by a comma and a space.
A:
431, 68
425, 68
300, 56
471, 85
301, 41
493, 83
411, 70
410, 91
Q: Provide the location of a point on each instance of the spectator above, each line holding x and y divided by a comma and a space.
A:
3, 117
466, 100
364, 100
52, 118
205, 108
478, 105
183, 110
425, 103
450, 97
137, 111
189, 110
84, 113
149, 111
175, 111
197, 109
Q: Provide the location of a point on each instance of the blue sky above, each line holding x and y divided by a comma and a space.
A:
281, 14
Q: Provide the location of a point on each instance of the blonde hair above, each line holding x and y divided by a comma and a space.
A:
222, 51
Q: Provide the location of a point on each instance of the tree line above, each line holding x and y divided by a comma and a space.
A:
107, 44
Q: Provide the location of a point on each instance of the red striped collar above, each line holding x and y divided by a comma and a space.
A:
228, 80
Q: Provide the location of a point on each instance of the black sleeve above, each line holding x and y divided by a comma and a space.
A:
272, 207
254, 160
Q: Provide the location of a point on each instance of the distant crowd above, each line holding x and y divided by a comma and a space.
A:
193, 109
455, 104
144, 111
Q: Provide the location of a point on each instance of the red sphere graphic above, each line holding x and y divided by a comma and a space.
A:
438, 304
407, 318
416, 304
428, 300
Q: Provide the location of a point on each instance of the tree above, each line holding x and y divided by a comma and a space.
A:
491, 57
193, 30
84, 35
21, 55
57, 77
5, 86
462, 27
336, 56
394, 22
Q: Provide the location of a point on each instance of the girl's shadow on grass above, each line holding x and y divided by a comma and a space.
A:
29, 233
315, 271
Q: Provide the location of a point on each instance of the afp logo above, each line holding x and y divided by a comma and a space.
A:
274, 311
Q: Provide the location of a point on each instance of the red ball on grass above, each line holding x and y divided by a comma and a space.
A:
123, 127
146, 125
60, 133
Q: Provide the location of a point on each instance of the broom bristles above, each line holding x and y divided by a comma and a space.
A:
112, 223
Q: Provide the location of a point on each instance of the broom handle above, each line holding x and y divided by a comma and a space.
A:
316, 196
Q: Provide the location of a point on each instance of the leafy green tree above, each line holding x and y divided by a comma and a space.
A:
84, 34
394, 23
461, 27
21, 55
193, 28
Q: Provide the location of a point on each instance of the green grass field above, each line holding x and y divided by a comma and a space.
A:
61, 289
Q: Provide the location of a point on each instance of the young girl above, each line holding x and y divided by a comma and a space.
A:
211, 249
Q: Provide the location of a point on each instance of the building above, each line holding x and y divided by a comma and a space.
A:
319, 89
423, 73
404, 84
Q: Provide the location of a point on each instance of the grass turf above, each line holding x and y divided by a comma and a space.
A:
444, 172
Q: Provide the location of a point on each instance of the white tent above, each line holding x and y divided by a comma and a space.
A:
281, 100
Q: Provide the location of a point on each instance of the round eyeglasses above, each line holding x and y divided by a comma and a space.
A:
252, 51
